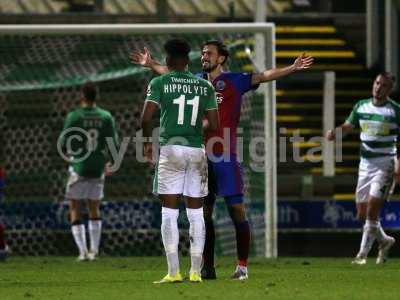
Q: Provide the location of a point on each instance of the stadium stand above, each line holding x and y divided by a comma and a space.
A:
187, 8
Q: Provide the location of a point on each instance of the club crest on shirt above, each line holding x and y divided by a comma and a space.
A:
220, 97
220, 85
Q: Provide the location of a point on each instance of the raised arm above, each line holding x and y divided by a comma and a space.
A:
144, 59
303, 62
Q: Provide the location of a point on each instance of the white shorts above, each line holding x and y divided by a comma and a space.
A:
82, 188
375, 178
181, 170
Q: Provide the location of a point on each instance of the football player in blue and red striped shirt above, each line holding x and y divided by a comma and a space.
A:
225, 176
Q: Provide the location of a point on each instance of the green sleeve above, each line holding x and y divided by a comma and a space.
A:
154, 91
69, 121
353, 118
113, 131
212, 99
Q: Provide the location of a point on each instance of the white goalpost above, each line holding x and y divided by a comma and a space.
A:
264, 44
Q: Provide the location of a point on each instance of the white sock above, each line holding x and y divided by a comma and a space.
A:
79, 234
197, 233
368, 238
170, 238
380, 234
95, 235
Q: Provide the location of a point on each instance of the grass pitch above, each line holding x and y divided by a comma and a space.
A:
132, 277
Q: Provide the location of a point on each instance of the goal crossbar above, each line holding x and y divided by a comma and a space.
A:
267, 61
72, 29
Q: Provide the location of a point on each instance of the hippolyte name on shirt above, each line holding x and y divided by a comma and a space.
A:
186, 86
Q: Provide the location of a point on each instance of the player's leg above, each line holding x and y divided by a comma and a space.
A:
362, 193
95, 192
379, 184
94, 226
237, 212
362, 211
78, 228
195, 189
3, 246
380, 189
168, 184
229, 178
2, 237
170, 235
372, 229
195, 215
371, 226
208, 269
75, 193
385, 242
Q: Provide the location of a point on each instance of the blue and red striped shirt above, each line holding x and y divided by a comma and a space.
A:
229, 88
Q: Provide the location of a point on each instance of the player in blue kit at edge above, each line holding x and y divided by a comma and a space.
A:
225, 177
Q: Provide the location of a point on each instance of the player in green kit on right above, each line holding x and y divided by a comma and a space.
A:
181, 171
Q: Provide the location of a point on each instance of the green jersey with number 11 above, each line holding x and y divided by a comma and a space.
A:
183, 99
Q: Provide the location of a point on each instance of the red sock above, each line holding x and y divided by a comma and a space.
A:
243, 242
242, 263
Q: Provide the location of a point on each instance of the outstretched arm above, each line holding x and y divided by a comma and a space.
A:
344, 129
144, 59
303, 62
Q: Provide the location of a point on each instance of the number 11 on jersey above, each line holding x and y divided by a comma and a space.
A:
181, 101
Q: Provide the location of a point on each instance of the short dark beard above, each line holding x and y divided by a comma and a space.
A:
210, 69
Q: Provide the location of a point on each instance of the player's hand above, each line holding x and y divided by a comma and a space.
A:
303, 62
148, 153
107, 169
330, 135
141, 58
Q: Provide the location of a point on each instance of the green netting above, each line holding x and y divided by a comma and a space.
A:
39, 85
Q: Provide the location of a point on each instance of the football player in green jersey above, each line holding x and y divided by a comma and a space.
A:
184, 101
85, 134
379, 121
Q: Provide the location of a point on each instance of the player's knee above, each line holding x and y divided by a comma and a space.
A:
361, 216
195, 214
237, 209
94, 212
372, 214
74, 205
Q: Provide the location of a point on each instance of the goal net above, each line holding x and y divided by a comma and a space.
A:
41, 69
